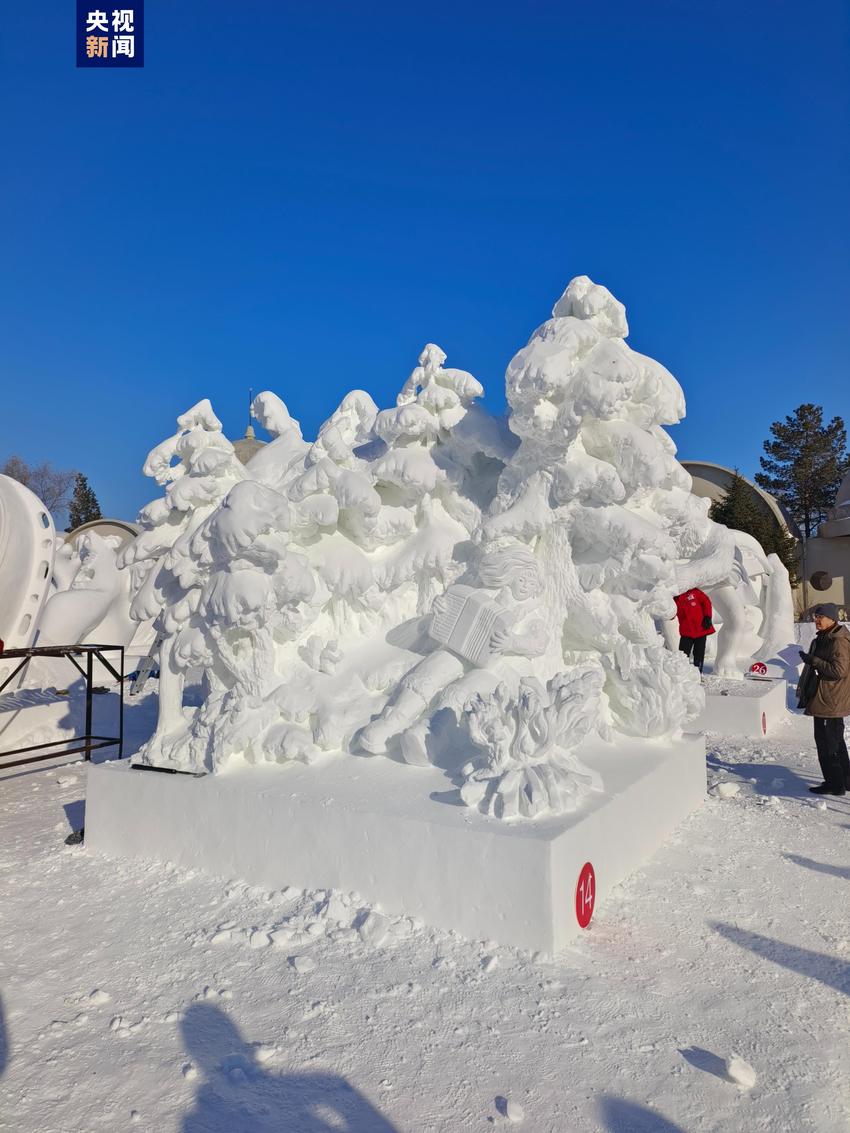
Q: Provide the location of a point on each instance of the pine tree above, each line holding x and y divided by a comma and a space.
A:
804, 464
84, 506
738, 509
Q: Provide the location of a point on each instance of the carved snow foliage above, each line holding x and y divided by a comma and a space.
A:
527, 766
420, 573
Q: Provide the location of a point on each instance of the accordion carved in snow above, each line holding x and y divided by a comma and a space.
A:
463, 620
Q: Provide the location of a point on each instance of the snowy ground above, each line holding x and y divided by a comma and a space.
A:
137, 996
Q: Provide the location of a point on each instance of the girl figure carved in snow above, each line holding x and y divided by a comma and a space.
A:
476, 626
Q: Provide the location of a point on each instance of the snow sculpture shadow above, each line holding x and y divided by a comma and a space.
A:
773, 780
622, 1116
827, 969
238, 1094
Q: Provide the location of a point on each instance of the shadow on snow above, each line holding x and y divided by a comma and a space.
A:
237, 1093
704, 1060
828, 970
819, 867
622, 1116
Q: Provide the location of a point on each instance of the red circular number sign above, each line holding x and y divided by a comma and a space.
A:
759, 668
585, 895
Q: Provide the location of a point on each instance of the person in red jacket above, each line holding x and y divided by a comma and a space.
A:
693, 609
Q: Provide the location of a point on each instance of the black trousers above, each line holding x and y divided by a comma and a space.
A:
832, 751
697, 644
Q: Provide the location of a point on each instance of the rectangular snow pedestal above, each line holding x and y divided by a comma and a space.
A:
742, 708
391, 833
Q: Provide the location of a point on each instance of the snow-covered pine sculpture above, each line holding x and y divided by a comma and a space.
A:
592, 513
287, 592
431, 581
198, 467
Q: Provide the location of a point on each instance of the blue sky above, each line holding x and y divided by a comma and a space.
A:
298, 196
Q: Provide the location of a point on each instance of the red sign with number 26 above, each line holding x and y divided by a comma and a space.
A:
585, 895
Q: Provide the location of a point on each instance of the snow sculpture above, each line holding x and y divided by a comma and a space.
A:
751, 595
837, 522
54, 592
297, 583
431, 582
594, 498
477, 626
27, 547
92, 597
528, 767
756, 608
199, 467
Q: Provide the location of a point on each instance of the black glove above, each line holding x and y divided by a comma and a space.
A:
805, 656
706, 622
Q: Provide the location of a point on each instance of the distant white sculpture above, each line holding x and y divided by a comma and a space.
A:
837, 522
757, 610
751, 597
430, 582
27, 548
54, 592
92, 595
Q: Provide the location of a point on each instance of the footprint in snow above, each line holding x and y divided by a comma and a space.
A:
302, 964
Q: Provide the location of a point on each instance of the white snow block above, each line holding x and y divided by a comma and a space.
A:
742, 708
391, 833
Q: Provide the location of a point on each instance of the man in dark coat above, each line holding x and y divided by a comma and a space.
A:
693, 609
824, 692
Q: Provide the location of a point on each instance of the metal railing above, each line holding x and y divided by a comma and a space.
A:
87, 742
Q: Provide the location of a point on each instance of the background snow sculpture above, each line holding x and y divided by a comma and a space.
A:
752, 602
756, 610
837, 522
92, 597
431, 582
27, 548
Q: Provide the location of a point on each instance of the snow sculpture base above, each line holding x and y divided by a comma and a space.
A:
372, 826
742, 708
